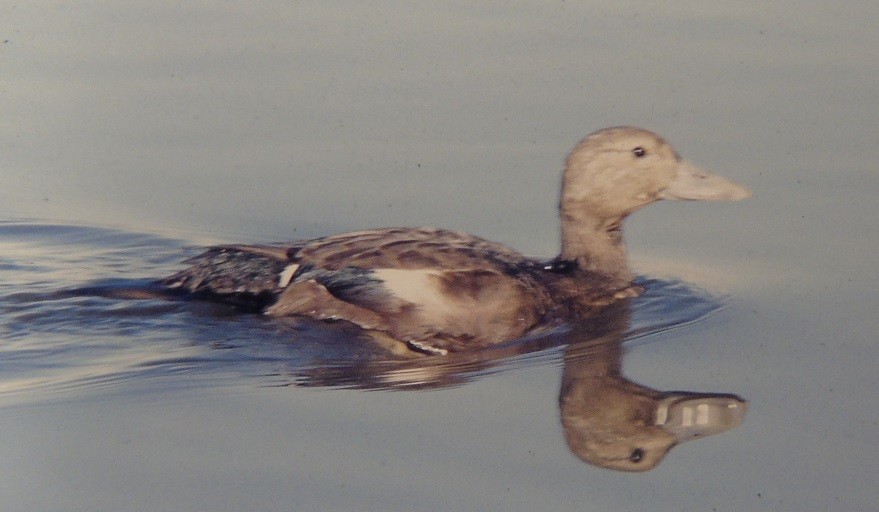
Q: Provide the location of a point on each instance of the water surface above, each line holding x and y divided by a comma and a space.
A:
135, 133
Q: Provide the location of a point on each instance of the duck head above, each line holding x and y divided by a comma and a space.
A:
614, 172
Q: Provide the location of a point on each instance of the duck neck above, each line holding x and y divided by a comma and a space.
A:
595, 244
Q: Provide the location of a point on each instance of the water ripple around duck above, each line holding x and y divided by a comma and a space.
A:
67, 327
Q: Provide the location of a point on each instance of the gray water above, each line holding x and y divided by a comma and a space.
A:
134, 133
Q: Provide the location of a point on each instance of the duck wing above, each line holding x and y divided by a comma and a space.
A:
438, 290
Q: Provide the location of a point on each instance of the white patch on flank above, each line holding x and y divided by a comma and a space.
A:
416, 286
286, 275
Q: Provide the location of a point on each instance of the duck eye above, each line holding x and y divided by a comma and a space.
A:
639, 152
637, 455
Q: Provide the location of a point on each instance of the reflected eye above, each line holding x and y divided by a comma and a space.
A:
639, 152
637, 455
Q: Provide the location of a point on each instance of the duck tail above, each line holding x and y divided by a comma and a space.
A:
245, 276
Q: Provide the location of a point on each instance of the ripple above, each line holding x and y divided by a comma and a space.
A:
69, 325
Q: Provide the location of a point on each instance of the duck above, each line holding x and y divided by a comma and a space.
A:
429, 291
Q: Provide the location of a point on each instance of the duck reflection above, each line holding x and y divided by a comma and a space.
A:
608, 420
614, 423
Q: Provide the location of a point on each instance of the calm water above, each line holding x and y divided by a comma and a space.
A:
133, 134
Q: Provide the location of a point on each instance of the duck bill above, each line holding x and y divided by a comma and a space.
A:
695, 184
689, 416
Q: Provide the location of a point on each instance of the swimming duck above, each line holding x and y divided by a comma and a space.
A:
435, 291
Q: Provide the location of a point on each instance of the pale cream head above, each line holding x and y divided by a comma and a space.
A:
615, 171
